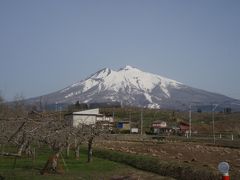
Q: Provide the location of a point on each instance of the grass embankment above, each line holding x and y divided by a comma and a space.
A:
26, 168
180, 171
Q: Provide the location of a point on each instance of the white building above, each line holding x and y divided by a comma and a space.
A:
159, 126
87, 117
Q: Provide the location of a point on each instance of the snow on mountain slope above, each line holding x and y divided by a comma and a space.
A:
133, 87
126, 82
134, 78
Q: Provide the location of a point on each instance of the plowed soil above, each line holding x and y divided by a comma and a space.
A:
185, 152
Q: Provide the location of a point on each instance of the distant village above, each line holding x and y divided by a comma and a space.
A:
94, 117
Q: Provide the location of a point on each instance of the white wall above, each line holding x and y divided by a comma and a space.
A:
88, 117
82, 119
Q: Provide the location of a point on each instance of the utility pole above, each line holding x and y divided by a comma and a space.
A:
56, 106
113, 116
190, 120
213, 122
141, 121
213, 129
60, 110
130, 115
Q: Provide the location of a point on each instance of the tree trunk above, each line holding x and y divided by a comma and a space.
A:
77, 149
68, 150
33, 157
90, 142
21, 148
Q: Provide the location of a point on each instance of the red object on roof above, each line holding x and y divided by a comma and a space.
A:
183, 126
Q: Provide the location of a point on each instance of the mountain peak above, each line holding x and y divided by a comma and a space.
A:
128, 67
102, 73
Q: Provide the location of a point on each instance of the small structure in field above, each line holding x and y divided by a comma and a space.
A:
184, 127
159, 127
134, 130
124, 125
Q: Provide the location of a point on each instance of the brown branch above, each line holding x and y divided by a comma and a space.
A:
19, 129
10, 154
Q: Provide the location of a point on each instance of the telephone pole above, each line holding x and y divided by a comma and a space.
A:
141, 121
190, 120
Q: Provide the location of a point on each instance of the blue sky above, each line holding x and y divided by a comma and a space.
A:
48, 45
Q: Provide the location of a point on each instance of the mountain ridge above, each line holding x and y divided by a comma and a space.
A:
133, 87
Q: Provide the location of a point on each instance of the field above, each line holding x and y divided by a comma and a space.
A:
171, 154
101, 169
190, 153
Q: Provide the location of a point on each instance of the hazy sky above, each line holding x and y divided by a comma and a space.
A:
46, 45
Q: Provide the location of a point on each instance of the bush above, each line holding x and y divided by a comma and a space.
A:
181, 171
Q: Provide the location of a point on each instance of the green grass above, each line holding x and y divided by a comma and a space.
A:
76, 169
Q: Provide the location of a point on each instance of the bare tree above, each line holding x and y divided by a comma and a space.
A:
24, 129
78, 137
91, 132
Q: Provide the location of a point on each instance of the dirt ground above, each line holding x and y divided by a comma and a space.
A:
134, 174
186, 152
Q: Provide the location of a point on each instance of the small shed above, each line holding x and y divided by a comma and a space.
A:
87, 117
134, 130
159, 126
184, 127
123, 125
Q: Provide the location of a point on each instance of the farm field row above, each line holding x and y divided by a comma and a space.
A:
189, 153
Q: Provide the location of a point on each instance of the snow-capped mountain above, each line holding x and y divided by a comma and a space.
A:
133, 87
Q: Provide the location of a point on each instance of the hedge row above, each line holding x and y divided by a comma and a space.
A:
181, 171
